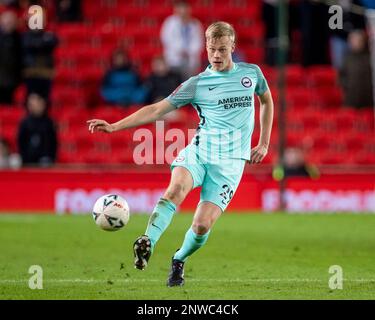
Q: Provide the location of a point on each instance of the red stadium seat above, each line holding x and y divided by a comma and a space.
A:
331, 158
271, 75
322, 76
329, 96
253, 34
355, 144
300, 96
322, 143
254, 54
11, 115
295, 76
68, 96
9, 132
70, 33
20, 95
365, 158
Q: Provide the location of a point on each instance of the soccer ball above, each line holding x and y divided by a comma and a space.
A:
111, 212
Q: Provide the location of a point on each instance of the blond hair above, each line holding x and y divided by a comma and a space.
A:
220, 29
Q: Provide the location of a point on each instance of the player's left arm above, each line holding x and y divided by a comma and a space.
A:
266, 118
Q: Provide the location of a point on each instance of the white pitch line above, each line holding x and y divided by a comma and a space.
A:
13, 281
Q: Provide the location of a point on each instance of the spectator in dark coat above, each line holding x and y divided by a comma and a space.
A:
38, 47
314, 33
162, 80
122, 84
355, 75
10, 56
68, 10
295, 164
37, 141
339, 37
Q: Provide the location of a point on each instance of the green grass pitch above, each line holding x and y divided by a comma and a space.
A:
248, 256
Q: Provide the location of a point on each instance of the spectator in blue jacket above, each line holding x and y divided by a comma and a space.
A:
122, 84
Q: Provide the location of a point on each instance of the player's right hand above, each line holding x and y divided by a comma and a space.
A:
100, 125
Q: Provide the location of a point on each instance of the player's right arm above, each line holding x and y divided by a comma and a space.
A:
147, 114
183, 95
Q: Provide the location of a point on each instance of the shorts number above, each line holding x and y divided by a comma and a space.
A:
227, 194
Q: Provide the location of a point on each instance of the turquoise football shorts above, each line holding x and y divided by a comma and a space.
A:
219, 179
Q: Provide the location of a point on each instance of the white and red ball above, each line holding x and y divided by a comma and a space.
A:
111, 212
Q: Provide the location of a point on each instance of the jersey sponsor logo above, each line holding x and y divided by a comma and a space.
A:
236, 102
212, 88
246, 82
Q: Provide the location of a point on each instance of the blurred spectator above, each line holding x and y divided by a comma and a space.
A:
368, 4
295, 164
10, 56
314, 32
269, 16
338, 37
38, 47
162, 80
37, 141
182, 39
355, 74
9, 3
370, 21
121, 84
4, 154
7, 159
68, 10
270, 20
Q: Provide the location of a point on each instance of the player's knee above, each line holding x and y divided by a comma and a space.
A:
176, 193
200, 228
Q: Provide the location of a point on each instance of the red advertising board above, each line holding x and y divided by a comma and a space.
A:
71, 191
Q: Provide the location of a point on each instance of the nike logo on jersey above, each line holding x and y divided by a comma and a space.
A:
212, 88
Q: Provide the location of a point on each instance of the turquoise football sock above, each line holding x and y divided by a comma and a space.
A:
192, 243
160, 219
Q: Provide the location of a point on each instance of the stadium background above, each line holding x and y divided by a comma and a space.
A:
338, 142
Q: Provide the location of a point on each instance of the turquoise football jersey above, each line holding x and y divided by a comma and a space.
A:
225, 104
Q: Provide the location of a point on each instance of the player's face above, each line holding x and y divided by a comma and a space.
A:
219, 53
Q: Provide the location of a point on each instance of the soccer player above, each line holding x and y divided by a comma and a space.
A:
223, 96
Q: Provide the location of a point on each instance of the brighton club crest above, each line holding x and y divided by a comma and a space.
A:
246, 82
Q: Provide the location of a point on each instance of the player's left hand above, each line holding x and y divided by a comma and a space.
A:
257, 154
